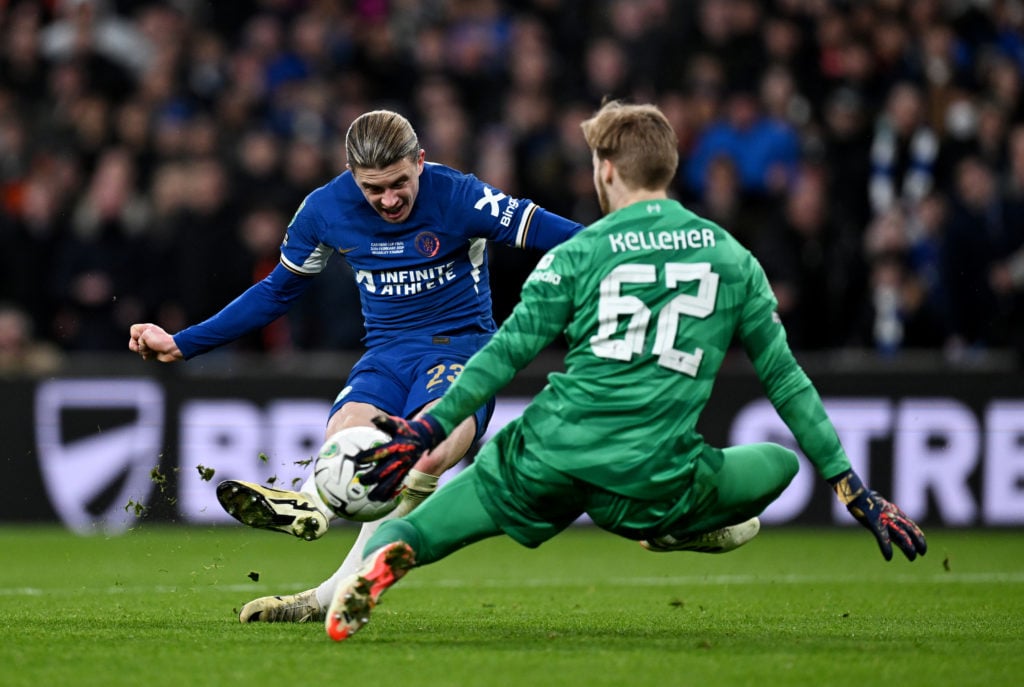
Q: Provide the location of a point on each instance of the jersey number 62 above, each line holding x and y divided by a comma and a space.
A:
612, 306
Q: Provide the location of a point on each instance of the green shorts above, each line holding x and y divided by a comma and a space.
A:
532, 502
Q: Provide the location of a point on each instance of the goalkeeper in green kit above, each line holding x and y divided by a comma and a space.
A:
649, 298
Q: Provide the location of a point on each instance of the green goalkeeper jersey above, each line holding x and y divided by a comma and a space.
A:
650, 298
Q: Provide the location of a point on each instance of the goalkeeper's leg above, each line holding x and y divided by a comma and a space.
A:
741, 481
447, 522
452, 519
751, 478
312, 604
418, 486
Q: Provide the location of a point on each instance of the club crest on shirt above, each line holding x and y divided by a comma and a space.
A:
427, 244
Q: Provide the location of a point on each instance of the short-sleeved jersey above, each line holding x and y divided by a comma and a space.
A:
428, 274
650, 299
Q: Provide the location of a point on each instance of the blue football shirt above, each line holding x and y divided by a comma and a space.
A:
426, 275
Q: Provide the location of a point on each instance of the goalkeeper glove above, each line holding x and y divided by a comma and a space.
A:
393, 460
881, 517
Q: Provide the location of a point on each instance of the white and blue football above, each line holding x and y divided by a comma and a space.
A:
336, 474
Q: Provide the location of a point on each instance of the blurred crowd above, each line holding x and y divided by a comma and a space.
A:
869, 152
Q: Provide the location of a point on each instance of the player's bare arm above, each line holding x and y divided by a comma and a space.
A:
152, 342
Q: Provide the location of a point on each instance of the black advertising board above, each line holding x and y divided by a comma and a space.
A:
97, 452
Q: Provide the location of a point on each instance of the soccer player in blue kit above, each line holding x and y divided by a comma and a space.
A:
415, 235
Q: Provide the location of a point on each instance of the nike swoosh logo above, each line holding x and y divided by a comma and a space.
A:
344, 251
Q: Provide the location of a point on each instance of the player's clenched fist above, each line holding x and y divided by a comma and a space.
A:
152, 342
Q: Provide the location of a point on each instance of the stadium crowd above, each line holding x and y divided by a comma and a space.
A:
870, 153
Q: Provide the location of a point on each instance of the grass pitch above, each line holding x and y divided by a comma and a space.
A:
157, 606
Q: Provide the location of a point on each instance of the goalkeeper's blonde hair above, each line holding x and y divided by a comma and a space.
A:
638, 140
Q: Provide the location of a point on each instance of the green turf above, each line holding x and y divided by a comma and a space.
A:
795, 607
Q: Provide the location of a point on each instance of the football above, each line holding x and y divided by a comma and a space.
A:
336, 474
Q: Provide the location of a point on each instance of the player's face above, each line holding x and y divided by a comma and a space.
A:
391, 190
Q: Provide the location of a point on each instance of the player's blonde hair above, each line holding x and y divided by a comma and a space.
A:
380, 138
638, 140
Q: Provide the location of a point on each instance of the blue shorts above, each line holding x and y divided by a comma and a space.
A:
401, 377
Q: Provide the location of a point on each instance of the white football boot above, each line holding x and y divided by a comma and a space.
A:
716, 541
294, 608
291, 512
356, 596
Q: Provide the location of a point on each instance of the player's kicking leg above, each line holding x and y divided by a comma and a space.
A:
310, 605
299, 513
419, 485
